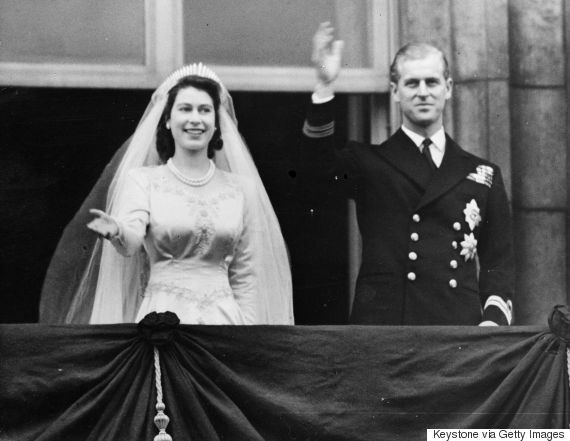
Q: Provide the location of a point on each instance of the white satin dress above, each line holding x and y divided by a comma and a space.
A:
198, 245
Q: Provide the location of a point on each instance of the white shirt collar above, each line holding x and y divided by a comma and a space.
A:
437, 146
438, 138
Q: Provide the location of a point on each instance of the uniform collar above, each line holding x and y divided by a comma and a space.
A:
437, 139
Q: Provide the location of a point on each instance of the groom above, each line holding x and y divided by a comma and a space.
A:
434, 219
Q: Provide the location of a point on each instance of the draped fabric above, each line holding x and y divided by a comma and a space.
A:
74, 251
235, 383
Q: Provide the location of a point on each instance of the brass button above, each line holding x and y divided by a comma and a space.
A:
412, 276
416, 218
453, 264
453, 283
457, 226
454, 245
415, 237
412, 256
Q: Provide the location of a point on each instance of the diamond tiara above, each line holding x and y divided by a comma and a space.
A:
197, 69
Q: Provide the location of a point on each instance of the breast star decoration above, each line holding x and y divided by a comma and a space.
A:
472, 214
469, 246
473, 218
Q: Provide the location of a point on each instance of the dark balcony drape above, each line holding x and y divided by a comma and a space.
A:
279, 383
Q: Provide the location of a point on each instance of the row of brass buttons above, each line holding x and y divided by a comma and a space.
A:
413, 256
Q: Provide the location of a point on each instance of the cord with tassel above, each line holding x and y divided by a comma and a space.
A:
161, 420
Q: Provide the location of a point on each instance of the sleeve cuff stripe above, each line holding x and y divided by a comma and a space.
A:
504, 307
318, 131
319, 128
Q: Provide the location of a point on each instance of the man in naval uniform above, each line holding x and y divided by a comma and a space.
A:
434, 219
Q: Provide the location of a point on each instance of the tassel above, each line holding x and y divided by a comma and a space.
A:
161, 420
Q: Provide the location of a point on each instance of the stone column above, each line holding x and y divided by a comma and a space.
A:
480, 56
539, 144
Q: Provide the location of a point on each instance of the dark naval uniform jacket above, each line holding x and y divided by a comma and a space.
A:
436, 246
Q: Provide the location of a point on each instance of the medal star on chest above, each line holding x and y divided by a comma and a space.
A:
472, 214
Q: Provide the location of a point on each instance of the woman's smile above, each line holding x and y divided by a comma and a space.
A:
192, 120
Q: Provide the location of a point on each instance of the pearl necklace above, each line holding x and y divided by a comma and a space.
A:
198, 182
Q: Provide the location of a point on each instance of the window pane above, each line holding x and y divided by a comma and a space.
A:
268, 32
72, 31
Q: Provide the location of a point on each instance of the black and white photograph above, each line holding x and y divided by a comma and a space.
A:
284, 220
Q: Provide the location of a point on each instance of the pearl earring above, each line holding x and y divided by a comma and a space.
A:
168, 126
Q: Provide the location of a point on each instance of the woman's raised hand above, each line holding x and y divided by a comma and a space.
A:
327, 53
103, 224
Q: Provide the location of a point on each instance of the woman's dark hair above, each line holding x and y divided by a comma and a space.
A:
164, 139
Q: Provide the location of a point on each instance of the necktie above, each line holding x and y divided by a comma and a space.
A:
427, 154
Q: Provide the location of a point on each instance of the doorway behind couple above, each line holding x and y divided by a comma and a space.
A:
56, 142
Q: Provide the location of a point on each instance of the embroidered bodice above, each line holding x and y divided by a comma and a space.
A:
197, 242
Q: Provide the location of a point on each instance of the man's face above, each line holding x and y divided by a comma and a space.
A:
422, 92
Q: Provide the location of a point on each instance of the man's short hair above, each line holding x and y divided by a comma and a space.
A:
416, 51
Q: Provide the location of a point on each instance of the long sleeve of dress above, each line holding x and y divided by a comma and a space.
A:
132, 214
242, 269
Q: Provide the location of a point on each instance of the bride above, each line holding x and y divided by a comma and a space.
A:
187, 225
